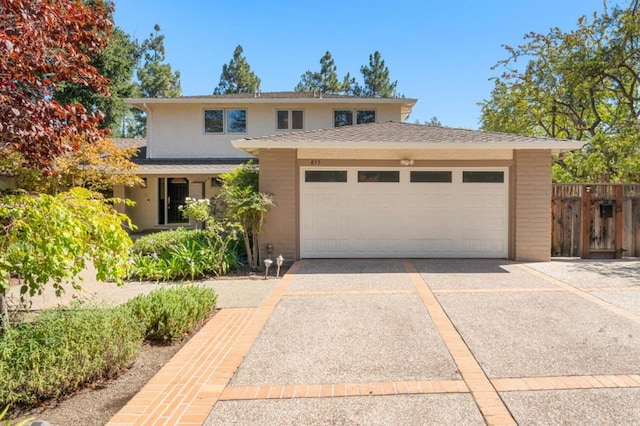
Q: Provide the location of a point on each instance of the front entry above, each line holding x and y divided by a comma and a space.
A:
172, 193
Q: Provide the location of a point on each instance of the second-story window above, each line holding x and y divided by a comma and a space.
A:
225, 121
344, 117
290, 119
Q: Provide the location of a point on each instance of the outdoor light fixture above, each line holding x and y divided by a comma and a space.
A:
267, 264
269, 250
406, 162
587, 188
279, 262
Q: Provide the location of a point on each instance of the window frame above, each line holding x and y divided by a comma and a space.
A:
354, 115
225, 121
290, 120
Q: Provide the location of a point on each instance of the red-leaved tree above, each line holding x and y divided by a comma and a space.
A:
42, 44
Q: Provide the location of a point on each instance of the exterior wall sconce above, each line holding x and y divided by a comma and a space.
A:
269, 250
406, 162
587, 188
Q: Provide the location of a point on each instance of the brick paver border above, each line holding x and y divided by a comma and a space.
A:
337, 390
566, 382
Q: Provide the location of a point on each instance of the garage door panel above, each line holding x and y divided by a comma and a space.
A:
404, 219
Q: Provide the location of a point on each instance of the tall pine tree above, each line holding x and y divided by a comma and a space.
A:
237, 76
376, 78
156, 78
325, 80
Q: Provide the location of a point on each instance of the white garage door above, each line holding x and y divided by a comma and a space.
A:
403, 212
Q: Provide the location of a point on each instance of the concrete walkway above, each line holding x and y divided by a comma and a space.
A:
414, 342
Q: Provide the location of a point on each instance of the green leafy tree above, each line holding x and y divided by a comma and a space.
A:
50, 239
326, 80
117, 62
156, 78
237, 76
582, 84
246, 204
376, 78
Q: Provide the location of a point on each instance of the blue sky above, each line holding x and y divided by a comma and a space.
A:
440, 52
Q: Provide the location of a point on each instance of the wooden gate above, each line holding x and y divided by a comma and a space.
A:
595, 220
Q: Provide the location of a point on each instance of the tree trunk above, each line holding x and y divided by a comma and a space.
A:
247, 245
4, 310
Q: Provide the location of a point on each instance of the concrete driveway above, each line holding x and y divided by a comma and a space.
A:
415, 342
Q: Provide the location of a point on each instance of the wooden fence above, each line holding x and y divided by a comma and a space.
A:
595, 220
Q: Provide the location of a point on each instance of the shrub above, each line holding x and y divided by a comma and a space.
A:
170, 314
63, 349
186, 254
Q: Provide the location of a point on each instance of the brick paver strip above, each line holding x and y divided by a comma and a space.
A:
582, 293
566, 382
346, 292
341, 390
185, 390
496, 290
491, 406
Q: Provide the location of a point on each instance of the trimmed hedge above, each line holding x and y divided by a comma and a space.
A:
63, 349
170, 314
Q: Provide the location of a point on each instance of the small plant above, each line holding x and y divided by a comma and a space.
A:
63, 349
171, 314
198, 210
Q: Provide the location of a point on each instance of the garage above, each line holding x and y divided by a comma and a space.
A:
404, 212
385, 190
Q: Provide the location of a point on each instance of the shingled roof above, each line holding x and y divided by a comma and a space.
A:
393, 135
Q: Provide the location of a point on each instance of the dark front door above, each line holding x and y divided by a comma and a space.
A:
177, 192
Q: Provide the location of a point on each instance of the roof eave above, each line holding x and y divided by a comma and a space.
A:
555, 147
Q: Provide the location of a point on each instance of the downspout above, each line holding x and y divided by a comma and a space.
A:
147, 110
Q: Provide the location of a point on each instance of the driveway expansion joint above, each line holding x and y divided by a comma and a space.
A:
493, 409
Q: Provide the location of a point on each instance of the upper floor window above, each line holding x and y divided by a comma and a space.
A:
293, 119
225, 121
344, 117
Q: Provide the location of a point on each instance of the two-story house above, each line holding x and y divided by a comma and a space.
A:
349, 178
189, 140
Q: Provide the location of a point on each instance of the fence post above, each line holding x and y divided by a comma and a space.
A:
619, 189
585, 229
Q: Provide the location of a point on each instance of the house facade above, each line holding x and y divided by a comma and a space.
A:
349, 178
189, 145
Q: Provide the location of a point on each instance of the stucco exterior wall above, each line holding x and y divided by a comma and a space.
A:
178, 129
279, 176
532, 231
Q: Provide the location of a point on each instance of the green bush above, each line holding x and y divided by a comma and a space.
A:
186, 254
63, 349
170, 314
160, 242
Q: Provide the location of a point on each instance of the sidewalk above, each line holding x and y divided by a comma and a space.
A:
235, 292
